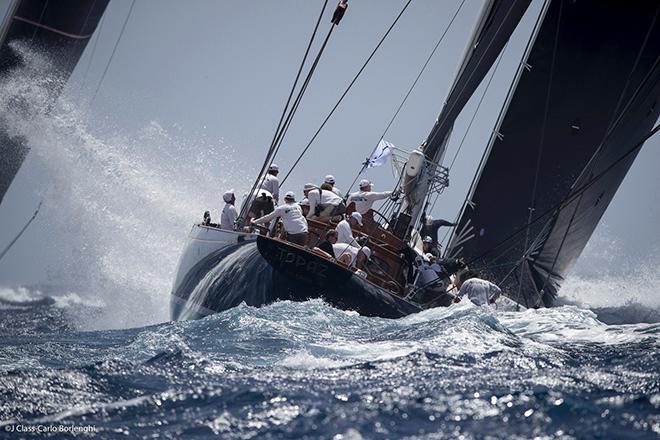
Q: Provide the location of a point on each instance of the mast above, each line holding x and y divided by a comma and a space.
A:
496, 23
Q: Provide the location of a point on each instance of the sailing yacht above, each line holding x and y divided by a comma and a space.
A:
582, 103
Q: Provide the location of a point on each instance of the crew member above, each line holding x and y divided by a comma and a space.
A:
345, 229
430, 228
478, 290
351, 256
323, 203
293, 221
262, 204
326, 245
330, 180
304, 204
365, 198
271, 183
229, 214
429, 248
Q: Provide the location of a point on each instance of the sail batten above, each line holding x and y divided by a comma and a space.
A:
590, 96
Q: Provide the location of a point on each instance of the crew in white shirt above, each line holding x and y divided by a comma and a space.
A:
351, 256
344, 229
292, 217
229, 214
271, 183
324, 203
479, 291
365, 198
330, 179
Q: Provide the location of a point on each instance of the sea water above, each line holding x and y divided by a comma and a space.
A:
91, 350
307, 370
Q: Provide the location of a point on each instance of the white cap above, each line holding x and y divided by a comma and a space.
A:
358, 217
228, 195
366, 251
428, 239
329, 179
364, 183
290, 196
309, 187
429, 256
273, 167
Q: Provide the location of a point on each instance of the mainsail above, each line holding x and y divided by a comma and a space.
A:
497, 22
589, 95
61, 29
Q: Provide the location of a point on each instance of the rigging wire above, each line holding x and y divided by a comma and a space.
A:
11, 243
355, 78
276, 135
91, 55
114, 49
40, 20
89, 13
405, 98
303, 89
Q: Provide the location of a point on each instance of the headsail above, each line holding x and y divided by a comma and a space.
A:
61, 29
590, 94
498, 20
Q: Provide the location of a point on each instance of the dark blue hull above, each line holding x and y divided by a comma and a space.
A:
240, 273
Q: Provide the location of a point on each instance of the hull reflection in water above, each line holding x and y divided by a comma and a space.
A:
222, 269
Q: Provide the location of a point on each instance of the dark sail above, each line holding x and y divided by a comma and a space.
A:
58, 28
590, 94
499, 20
497, 27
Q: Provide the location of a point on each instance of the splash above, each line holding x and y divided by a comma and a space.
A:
118, 206
619, 288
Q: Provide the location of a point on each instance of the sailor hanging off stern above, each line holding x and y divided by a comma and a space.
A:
293, 221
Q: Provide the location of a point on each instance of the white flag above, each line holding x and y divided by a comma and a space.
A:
381, 155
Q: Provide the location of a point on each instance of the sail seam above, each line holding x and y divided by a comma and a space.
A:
341, 98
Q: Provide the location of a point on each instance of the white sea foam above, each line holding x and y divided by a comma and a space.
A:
118, 206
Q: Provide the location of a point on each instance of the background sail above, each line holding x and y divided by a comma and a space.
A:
59, 28
589, 96
498, 21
